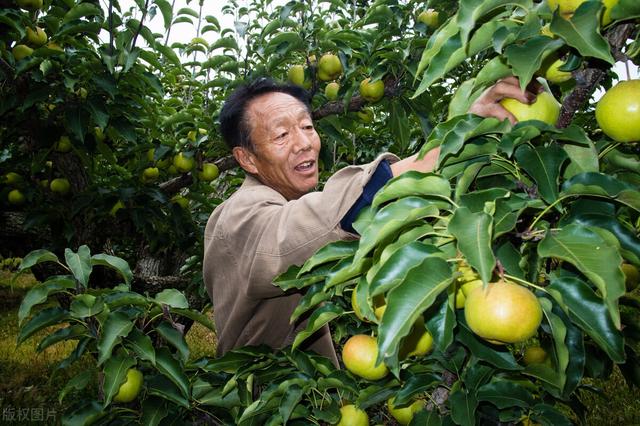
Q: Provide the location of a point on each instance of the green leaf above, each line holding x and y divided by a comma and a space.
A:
346, 270
452, 138
292, 396
413, 183
462, 99
495, 355
374, 394
162, 387
169, 54
125, 298
314, 295
400, 263
79, 28
510, 257
558, 332
120, 265
491, 72
67, 333
601, 185
229, 362
477, 374
166, 10
175, 338
470, 12
416, 384
40, 292
226, 43
593, 256
43, 319
574, 341
446, 34
287, 280
441, 322
154, 410
172, 369
543, 164
86, 305
581, 32
87, 414
399, 125
549, 415
455, 51
115, 374
475, 201
117, 326
625, 9
78, 382
588, 311
329, 253
408, 300
77, 120
319, 318
629, 242
173, 298
35, 257
473, 234
79, 263
526, 58
504, 394
288, 40
463, 405
141, 345
390, 219
81, 10
188, 11
196, 316
581, 151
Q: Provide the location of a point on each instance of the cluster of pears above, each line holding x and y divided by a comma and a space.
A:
330, 68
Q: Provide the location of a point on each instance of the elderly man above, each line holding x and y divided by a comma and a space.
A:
277, 218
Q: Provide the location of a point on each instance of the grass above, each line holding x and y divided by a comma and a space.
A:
30, 381
30, 385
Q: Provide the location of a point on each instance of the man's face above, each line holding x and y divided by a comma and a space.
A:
286, 145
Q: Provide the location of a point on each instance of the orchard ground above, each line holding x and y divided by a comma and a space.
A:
30, 380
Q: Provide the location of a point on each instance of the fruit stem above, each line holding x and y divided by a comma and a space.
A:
626, 65
451, 202
608, 149
525, 282
546, 210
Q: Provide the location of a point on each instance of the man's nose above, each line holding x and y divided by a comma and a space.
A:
302, 140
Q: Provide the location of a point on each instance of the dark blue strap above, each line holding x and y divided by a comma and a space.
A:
380, 177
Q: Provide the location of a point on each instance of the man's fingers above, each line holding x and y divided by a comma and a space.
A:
493, 110
507, 89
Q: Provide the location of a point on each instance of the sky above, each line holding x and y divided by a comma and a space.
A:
184, 32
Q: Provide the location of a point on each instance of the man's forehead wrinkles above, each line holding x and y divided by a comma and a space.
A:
273, 115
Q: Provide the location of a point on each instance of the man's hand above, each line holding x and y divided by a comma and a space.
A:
488, 104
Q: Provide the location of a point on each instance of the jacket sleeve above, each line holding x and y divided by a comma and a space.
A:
289, 232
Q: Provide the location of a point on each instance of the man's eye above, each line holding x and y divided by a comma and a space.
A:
308, 127
282, 135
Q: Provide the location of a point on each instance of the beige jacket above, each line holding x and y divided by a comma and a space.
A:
257, 234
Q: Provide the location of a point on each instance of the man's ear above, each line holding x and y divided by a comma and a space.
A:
245, 158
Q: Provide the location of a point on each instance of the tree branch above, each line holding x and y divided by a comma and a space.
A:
588, 79
392, 88
8, 69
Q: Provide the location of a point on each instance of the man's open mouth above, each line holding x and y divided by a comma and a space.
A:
305, 166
